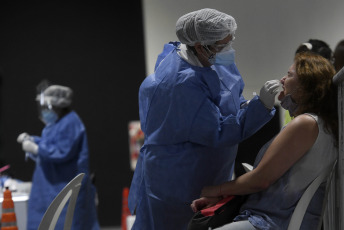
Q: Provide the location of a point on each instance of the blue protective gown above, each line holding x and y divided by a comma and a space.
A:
192, 121
62, 154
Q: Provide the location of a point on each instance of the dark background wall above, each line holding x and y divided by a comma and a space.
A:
96, 48
249, 148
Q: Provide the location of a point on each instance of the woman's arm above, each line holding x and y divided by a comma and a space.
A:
286, 149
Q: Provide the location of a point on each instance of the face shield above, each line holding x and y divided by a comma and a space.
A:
52, 99
222, 54
224, 47
46, 112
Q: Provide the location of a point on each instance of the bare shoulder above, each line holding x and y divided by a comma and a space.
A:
304, 125
304, 121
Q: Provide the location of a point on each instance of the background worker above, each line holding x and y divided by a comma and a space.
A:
60, 153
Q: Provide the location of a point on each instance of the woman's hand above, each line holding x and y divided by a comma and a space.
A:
204, 202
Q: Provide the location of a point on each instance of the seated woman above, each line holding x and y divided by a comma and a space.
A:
287, 164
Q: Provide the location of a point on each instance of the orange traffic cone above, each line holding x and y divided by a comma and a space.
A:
125, 208
8, 217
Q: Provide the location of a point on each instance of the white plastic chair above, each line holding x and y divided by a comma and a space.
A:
130, 221
302, 205
69, 192
247, 167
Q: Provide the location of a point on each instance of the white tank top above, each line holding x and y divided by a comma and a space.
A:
273, 207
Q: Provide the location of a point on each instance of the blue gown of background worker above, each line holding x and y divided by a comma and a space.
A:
63, 154
191, 136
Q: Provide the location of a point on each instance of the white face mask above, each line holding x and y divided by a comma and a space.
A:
49, 116
288, 104
226, 57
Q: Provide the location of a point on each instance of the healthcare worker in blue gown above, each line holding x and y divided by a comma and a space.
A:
193, 116
60, 154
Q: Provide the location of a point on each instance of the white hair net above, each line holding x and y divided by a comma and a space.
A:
205, 26
56, 95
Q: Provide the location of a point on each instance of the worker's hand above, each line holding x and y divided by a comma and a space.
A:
23, 136
268, 93
30, 146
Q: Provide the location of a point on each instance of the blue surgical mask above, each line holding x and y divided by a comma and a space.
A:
225, 57
288, 104
49, 116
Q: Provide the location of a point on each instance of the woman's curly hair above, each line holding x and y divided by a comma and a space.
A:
318, 93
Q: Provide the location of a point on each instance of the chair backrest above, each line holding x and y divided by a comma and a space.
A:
247, 167
69, 192
301, 207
